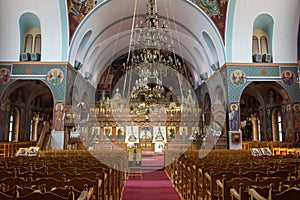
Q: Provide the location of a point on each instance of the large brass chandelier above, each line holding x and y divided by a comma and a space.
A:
151, 54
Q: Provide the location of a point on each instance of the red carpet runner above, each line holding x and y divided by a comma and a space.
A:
155, 184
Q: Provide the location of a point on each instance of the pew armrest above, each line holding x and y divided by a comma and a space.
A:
255, 195
220, 184
234, 194
86, 195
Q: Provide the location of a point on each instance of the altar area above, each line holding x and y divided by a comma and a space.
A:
148, 138
144, 124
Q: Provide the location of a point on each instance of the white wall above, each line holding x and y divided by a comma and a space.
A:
50, 19
286, 19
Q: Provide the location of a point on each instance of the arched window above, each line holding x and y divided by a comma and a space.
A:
31, 130
264, 45
261, 38
255, 45
37, 43
30, 37
260, 46
279, 127
28, 43
13, 133
11, 126
259, 129
32, 45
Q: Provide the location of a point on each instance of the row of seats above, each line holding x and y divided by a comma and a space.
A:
211, 175
73, 173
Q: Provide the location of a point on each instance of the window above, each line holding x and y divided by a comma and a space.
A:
32, 41
30, 37
31, 129
260, 42
254, 45
260, 46
28, 43
11, 127
279, 128
259, 131
37, 43
264, 45
262, 38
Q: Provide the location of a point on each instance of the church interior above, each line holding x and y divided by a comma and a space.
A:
150, 99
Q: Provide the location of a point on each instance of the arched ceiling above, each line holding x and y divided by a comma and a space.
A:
104, 35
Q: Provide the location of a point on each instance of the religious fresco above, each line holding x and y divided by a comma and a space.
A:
288, 77
238, 77
215, 9
55, 76
58, 117
4, 75
234, 116
77, 10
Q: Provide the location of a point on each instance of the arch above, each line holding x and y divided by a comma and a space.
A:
263, 32
212, 48
34, 96
83, 43
37, 43
29, 23
28, 43
116, 30
259, 101
255, 45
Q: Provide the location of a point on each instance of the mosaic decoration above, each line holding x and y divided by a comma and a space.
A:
288, 77
263, 72
28, 70
293, 89
55, 76
234, 91
216, 10
77, 10
43, 70
238, 77
4, 75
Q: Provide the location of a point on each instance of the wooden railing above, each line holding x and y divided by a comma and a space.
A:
9, 149
257, 144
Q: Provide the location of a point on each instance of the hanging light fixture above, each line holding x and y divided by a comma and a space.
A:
151, 54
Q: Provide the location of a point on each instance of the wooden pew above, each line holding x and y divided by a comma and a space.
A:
80, 184
210, 182
224, 186
240, 193
44, 196
4, 196
272, 194
9, 183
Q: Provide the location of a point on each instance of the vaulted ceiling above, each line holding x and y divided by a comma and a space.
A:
104, 35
